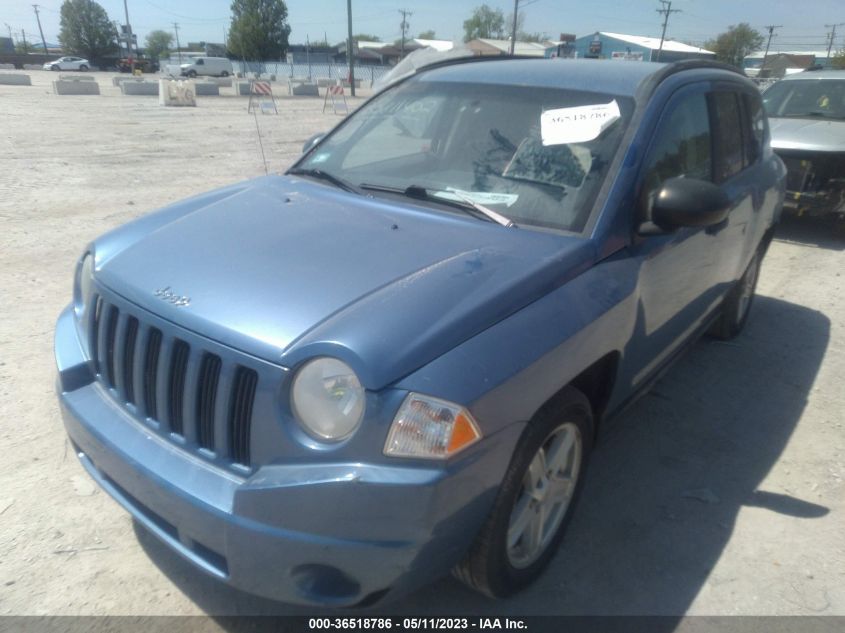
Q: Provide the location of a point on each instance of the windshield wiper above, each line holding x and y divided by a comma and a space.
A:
319, 174
465, 203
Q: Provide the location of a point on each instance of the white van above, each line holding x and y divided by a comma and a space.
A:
209, 66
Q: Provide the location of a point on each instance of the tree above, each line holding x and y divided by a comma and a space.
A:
158, 44
485, 22
364, 37
735, 44
838, 61
86, 30
259, 29
23, 47
427, 35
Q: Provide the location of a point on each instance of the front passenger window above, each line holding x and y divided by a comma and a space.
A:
681, 147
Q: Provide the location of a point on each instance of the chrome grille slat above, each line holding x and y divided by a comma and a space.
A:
206, 396
240, 417
221, 408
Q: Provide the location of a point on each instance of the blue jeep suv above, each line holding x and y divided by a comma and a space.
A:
333, 385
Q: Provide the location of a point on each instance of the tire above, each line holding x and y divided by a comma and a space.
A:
737, 305
55, 68
192, 74
224, 74
510, 552
83, 68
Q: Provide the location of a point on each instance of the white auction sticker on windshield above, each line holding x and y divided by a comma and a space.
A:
577, 125
479, 197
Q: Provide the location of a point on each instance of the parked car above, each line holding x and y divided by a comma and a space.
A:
68, 63
207, 66
333, 385
807, 115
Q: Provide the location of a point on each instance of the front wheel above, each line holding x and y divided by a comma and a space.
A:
54, 68
224, 74
192, 74
535, 501
737, 305
83, 68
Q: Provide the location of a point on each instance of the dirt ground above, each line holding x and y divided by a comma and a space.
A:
719, 493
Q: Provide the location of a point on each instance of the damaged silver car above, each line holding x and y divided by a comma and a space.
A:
807, 119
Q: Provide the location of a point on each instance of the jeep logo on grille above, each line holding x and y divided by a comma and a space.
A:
166, 294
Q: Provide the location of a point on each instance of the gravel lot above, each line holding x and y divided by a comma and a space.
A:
721, 492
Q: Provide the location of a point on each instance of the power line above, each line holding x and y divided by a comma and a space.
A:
666, 11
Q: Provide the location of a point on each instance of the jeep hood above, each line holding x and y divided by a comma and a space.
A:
813, 135
286, 269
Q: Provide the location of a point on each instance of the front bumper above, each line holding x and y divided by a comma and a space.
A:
336, 534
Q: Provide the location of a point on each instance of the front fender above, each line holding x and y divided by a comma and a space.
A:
506, 373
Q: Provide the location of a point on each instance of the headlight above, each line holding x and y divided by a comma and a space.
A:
430, 428
84, 286
327, 399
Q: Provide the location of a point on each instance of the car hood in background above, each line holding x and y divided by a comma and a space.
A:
815, 135
286, 269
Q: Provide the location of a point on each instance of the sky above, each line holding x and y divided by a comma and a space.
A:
803, 23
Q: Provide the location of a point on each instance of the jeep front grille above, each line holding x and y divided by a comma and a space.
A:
187, 393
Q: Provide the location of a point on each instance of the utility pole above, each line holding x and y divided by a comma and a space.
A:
24, 43
9, 26
513, 30
38, 17
666, 11
771, 29
350, 54
178, 47
832, 27
405, 14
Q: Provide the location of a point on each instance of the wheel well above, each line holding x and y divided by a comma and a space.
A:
596, 383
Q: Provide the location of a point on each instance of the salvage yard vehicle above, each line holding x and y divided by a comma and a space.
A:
207, 67
68, 63
807, 116
334, 385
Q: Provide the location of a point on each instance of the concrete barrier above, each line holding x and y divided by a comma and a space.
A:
7, 66
207, 89
303, 89
242, 88
76, 78
146, 88
176, 93
8, 79
33, 66
76, 87
223, 82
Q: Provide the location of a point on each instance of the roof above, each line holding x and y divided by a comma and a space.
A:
530, 49
574, 74
653, 43
439, 45
816, 74
760, 54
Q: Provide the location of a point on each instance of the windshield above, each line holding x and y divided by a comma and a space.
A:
525, 152
812, 98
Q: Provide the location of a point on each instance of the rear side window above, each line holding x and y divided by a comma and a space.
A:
681, 146
728, 132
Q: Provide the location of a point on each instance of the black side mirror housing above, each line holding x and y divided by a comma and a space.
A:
312, 141
685, 202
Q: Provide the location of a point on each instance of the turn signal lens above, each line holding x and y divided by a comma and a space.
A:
430, 428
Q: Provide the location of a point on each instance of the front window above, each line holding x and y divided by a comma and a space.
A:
807, 98
491, 144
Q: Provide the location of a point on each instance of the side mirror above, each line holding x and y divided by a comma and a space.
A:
311, 142
689, 202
